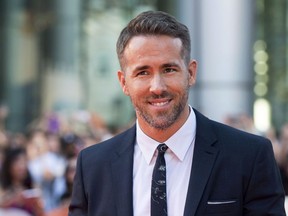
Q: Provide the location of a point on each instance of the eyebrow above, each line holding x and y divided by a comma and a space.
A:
166, 65
144, 67
170, 65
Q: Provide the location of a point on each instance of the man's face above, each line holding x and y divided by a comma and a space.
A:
157, 79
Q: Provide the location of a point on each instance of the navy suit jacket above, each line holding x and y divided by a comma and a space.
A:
233, 173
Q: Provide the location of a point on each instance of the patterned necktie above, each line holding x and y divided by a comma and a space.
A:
158, 189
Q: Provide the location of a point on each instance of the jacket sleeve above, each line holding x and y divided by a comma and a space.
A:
265, 194
78, 205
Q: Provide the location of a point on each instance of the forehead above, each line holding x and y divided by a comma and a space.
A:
152, 48
137, 43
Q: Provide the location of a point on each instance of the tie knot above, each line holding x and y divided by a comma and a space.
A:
162, 148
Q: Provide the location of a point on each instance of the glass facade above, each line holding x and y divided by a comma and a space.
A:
270, 58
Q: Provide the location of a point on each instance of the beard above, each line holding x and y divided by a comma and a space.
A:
163, 119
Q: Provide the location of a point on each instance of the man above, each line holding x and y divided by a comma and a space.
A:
204, 167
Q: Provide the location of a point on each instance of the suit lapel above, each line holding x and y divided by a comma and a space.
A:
204, 157
122, 171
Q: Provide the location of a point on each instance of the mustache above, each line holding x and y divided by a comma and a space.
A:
159, 96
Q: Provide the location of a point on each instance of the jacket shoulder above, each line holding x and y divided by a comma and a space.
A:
226, 135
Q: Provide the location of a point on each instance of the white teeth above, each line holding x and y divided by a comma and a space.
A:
160, 104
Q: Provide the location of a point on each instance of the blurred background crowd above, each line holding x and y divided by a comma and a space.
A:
59, 91
37, 167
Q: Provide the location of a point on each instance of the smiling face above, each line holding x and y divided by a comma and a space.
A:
157, 80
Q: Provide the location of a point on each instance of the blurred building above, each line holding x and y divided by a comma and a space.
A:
271, 58
60, 56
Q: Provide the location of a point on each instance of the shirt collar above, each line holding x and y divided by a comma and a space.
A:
178, 143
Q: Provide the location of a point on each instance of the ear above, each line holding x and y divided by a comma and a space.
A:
192, 68
122, 81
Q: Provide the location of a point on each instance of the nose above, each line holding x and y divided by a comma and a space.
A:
157, 85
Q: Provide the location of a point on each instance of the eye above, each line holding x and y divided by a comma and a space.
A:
142, 73
169, 70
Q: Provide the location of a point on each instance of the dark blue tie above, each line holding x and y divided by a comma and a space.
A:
158, 188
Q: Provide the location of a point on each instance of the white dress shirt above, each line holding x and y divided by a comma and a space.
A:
178, 157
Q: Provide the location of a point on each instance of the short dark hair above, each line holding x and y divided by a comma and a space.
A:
155, 23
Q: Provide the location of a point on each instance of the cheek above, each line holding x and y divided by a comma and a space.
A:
179, 85
136, 89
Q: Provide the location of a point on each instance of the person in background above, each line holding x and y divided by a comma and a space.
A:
47, 166
283, 156
70, 170
174, 161
4, 141
69, 177
17, 189
271, 134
